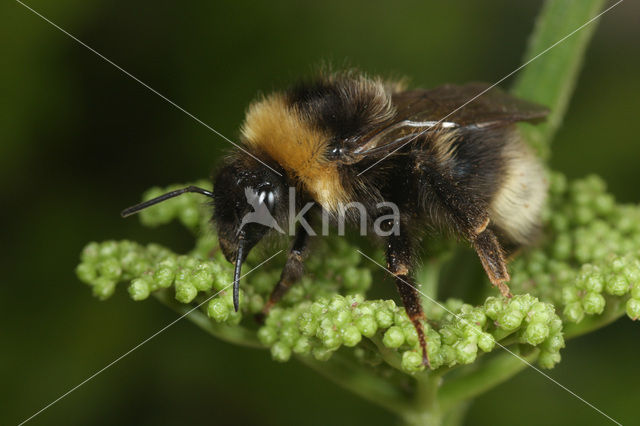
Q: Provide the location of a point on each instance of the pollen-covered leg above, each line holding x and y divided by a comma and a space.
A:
399, 263
492, 259
292, 271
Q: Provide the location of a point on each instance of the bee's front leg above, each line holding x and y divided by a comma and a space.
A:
293, 268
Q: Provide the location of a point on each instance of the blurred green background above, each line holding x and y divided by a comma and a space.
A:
79, 140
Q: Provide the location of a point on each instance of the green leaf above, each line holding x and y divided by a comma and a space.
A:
556, 50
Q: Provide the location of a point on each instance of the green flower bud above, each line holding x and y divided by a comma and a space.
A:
202, 279
351, 277
604, 204
510, 319
351, 335
384, 318
289, 334
256, 303
363, 309
447, 354
267, 335
635, 291
593, 303
110, 268
261, 281
562, 247
466, 352
139, 289
393, 337
103, 288
218, 310
493, 307
108, 249
521, 302
86, 272
555, 326
302, 346
342, 318
367, 325
280, 352
594, 283
574, 312
535, 333
330, 337
617, 285
583, 215
486, 342
190, 217
234, 317
308, 324
554, 343
540, 312
448, 335
223, 279
412, 361
632, 275
560, 223
185, 292
569, 294
163, 277
410, 334
90, 253
548, 359
633, 308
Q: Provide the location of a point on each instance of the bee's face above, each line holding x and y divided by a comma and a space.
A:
248, 204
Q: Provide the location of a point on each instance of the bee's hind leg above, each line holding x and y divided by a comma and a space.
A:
400, 265
492, 258
471, 219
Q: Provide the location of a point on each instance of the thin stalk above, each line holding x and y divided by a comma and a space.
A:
480, 378
361, 381
550, 79
426, 409
233, 334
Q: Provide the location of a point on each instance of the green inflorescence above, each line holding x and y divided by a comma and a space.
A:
587, 265
590, 256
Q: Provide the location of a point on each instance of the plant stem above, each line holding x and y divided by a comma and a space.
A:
481, 378
233, 334
550, 79
361, 381
426, 410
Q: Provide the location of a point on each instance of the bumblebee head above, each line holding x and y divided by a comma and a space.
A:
249, 201
249, 198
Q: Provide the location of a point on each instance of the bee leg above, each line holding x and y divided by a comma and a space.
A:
492, 259
293, 268
469, 215
399, 264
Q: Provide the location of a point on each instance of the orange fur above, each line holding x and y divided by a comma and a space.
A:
273, 127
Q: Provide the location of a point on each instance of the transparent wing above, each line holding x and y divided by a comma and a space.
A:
420, 112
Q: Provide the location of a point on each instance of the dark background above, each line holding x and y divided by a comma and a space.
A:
79, 140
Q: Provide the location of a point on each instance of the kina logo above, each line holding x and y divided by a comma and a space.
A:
260, 214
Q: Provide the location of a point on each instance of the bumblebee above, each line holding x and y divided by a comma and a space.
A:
345, 137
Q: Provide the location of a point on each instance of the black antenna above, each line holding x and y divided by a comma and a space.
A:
135, 209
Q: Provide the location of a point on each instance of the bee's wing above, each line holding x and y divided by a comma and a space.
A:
446, 107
